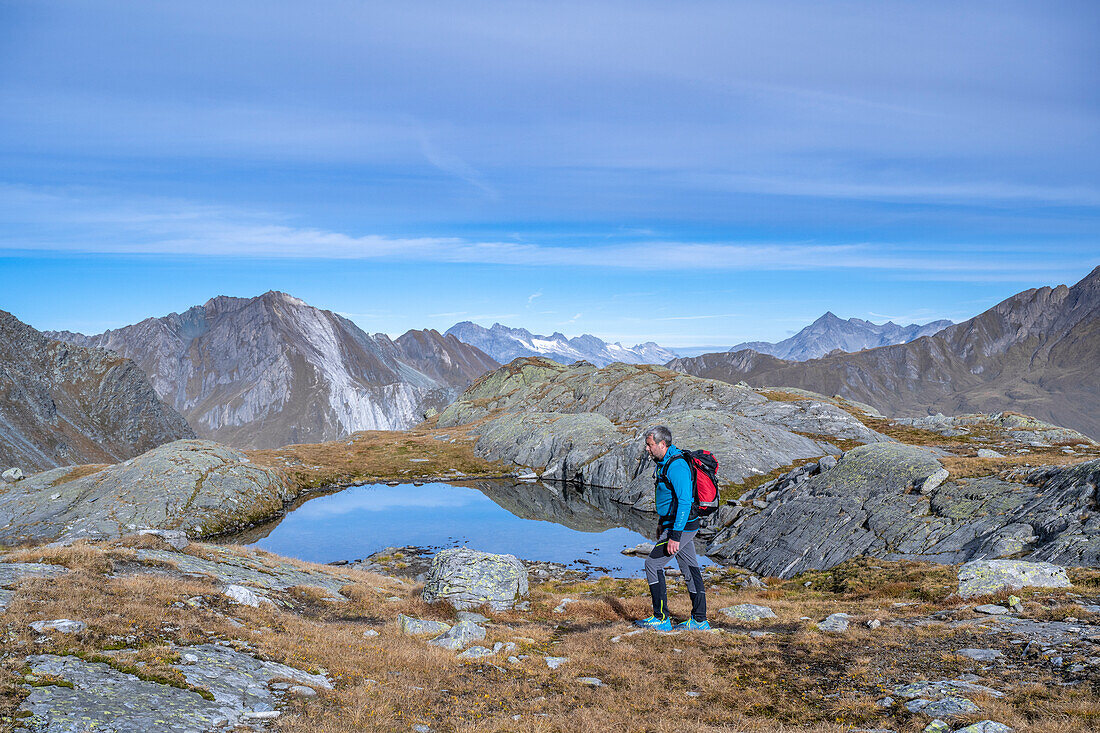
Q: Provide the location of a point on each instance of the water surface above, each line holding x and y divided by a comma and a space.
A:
532, 521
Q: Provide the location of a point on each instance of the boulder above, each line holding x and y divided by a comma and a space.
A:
945, 708
468, 579
64, 625
985, 577
12, 475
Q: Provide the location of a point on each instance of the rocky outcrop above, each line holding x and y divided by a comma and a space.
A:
272, 370
62, 404
505, 344
829, 333
200, 487
1035, 353
986, 577
890, 501
584, 424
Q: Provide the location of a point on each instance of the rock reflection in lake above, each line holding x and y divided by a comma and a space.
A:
534, 521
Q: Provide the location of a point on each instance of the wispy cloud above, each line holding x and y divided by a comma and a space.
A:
531, 298
82, 222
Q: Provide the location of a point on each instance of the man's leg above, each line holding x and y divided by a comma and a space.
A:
655, 576
693, 576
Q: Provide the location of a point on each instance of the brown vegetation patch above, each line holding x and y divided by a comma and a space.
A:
379, 455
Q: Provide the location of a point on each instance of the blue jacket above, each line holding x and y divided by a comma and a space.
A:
673, 494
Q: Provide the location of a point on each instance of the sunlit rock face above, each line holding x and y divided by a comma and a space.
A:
273, 370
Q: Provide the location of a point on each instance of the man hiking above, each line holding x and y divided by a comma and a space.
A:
676, 530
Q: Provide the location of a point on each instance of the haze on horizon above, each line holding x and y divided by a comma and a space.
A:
690, 173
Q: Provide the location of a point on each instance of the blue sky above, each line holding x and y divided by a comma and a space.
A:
690, 173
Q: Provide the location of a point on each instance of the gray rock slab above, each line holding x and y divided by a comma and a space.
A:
253, 569
747, 612
943, 688
468, 579
985, 726
992, 609
105, 699
984, 577
13, 572
981, 655
946, 708
196, 486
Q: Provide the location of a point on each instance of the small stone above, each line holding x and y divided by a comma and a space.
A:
760, 634
988, 453
826, 463
459, 636
63, 625
885, 702
422, 728
590, 681
302, 691
692, 693
874, 623
417, 627
555, 662
980, 655
476, 652
564, 602
472, 617
837, 622
245, 596
370, 632
261, 715
992, 609
807, 584
639, 550
937, 726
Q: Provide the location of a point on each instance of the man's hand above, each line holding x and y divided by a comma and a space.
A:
673, 547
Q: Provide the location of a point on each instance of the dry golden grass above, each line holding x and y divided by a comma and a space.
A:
378, 455
797, 679
80, 472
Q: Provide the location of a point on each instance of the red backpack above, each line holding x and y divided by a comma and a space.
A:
704, 480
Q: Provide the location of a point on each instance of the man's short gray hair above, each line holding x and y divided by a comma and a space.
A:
660, 434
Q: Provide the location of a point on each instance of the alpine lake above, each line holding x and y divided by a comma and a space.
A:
547, 522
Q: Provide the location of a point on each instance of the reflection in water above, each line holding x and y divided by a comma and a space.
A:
546, 522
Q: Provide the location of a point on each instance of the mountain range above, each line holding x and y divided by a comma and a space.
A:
830, 333
272, 370
504, 344
62, 404
1036, 352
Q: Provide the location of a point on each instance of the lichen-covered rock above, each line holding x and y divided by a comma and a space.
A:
102, 698
196, 486
468, 579
985, 577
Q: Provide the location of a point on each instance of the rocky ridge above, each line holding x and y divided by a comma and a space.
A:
1033, 353
830, 333
505, 344
62, 404
583, 424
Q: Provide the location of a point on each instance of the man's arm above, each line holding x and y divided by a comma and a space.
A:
679, 475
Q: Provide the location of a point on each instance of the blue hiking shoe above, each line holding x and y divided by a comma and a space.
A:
693, 625
655, 622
